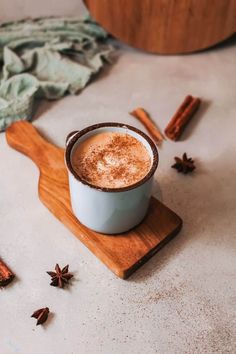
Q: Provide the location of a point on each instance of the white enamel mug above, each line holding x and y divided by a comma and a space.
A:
109, 210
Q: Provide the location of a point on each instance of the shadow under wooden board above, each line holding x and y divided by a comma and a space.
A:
123, 253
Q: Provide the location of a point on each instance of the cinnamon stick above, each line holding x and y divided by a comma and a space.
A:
146, 120
6, 275
182, 116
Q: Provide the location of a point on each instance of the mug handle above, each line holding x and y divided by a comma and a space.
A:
70, 136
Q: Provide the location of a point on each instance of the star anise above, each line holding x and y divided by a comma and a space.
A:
41, 315
184, 165
60, 276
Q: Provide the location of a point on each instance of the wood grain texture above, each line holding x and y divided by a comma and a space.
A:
121, 253
167, 27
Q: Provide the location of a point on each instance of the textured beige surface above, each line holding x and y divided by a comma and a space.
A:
18, 9
181, 301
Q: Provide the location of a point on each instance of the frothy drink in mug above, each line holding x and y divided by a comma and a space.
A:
111, 160
110, 169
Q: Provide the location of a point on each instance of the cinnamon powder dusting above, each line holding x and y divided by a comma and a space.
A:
111, 160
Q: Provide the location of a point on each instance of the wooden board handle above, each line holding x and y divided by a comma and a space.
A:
24, 137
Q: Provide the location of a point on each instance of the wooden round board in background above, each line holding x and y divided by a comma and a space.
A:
166, 26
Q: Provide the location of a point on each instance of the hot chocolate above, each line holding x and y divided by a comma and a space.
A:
111, 160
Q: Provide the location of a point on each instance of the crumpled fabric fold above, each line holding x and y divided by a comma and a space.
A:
48, 58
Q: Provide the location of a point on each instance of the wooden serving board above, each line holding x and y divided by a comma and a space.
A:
166, 26
123, 253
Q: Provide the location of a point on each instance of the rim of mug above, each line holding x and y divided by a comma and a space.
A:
72, 140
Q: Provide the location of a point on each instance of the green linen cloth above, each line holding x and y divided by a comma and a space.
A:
46, 57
